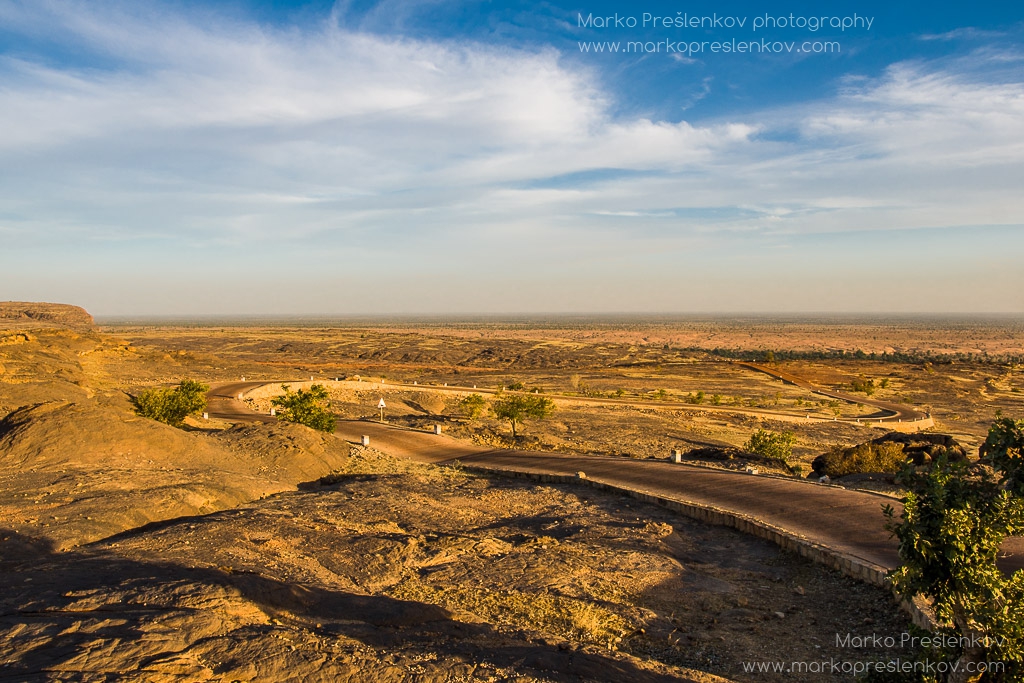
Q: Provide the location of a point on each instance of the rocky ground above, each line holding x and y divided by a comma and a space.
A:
130, 550
395, 571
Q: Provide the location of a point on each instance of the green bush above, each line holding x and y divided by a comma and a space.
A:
866, 457
172, 405
955, 518
1004, 451
771, 445
306, 407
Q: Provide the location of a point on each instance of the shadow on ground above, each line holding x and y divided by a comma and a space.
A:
94, 614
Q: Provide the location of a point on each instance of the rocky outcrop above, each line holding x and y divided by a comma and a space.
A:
922, 448
63, 315
919, 447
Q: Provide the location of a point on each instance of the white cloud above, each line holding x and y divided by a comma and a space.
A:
184, 132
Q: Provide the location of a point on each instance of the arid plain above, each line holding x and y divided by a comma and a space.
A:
132, 550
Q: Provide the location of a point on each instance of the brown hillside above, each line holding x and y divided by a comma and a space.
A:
75, 472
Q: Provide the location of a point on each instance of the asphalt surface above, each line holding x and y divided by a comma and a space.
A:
888, 412
845, 520
222, 403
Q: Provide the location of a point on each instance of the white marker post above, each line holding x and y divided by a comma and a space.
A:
381, 405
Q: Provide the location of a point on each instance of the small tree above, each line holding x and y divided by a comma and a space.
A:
172, 405
473, 406
954, 520
516, 408
771, 445
306, 407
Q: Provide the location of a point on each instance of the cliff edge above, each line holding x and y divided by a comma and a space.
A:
64, 315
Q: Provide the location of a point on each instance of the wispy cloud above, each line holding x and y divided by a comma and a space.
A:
188, 131
964, 33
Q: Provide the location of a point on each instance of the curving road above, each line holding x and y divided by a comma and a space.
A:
894, 415
844, 520
887, 411
222, 403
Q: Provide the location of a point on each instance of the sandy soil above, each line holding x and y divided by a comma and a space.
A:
630, 361
135, 551
395, 571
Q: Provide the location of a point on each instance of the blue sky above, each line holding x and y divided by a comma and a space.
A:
458, 157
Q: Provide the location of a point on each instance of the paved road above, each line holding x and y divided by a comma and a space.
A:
892, 413
888, 412
844, 520
222, 402
807, 509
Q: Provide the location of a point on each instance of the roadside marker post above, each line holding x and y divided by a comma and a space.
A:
273, 412
206, 416
437, 429
365, 440
381, 405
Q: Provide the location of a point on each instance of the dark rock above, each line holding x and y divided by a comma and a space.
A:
923, 447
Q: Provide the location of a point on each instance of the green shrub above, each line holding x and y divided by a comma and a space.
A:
172, 405
955, 518
771, 445
866, 457
866, 386
306, 407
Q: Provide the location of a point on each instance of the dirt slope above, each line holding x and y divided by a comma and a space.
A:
74, 472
